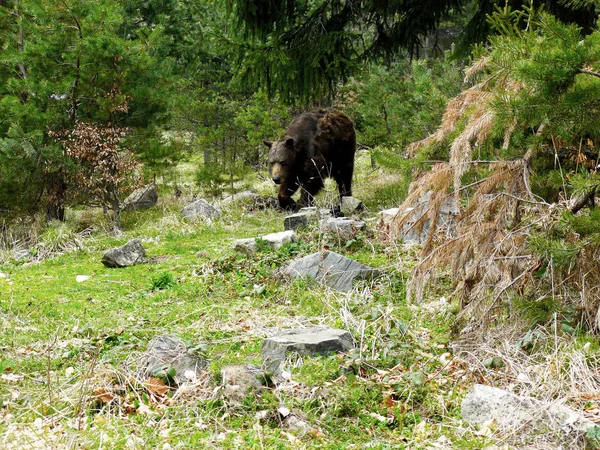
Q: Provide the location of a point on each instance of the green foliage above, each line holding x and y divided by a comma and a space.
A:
63, 62
394, 106
162, 281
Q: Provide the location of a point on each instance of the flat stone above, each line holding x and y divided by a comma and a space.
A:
200, 209
302, 218
351, 205
240, 379
273, 240
528, 415
343, 227
332, 269
305, 341
142, 198
127, 255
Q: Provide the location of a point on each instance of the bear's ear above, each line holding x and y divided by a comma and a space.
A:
289, 142
267, 143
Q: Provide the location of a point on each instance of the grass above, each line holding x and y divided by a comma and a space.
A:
61, 340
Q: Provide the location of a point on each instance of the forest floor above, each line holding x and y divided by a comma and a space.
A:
68, 348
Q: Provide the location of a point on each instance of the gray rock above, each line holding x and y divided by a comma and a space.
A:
142, 198
21, 254
200, 209
385, 220
528, 415
302, 218
273, 240
127, 255
410, 234
240, 197
343, 227
169, 351
306, 341
331, 269
293, 422
240, 379
351, 205
446, 222
245, 246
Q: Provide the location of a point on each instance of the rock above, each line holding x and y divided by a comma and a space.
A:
170, 352
127, 255
302, 218
245, 246
410, 233
142, 198
240, 379
293, 422
305, 341
273, 240
331, 269
530, 416
21, 254
200, 209
351, 205
344, 227
3, 275
240, 197
81, 278
385, 220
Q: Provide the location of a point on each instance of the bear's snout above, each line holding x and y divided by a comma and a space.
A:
277, 180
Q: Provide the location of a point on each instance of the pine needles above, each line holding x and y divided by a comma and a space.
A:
507, 242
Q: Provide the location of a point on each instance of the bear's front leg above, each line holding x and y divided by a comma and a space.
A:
287, 203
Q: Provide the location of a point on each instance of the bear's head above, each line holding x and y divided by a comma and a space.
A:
281, 159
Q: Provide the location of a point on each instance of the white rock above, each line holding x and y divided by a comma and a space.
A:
487, 404
3, 275
82, 278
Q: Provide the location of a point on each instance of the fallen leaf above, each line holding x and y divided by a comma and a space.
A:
156, 386
104, 395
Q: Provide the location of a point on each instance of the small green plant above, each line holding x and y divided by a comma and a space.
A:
163, 281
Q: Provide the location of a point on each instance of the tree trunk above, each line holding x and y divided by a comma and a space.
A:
55, 208
116, 207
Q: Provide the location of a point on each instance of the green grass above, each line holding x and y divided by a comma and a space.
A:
69, 338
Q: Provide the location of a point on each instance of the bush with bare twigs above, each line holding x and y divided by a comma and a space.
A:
521, 165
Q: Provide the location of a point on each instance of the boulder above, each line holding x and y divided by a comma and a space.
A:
273, 240
351, 206
308, 341
142, 198
446, 222
331, 269
343, 227
305, 341
127, 255
302, 218
200, 209
167, 352
511, 412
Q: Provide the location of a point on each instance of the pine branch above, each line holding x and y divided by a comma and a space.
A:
589, 72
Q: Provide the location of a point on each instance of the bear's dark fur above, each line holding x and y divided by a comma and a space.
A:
316, 145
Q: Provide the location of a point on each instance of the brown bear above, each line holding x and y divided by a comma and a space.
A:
316, 145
